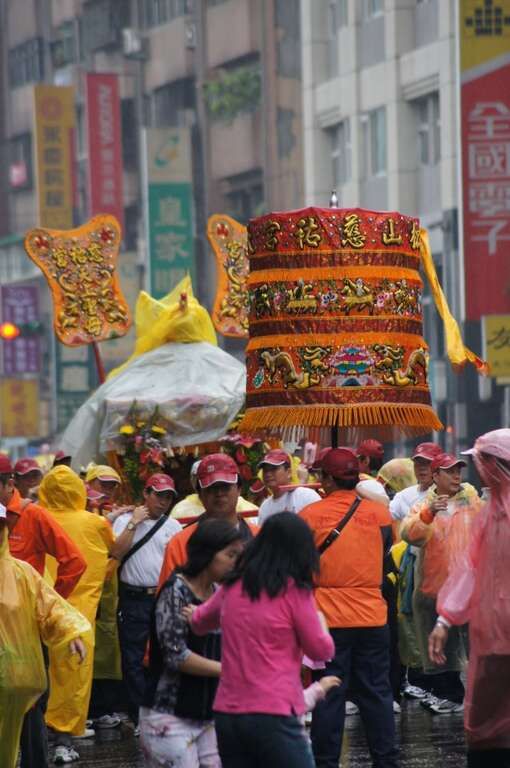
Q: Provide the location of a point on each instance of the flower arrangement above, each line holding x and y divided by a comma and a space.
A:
247, 452
142, 448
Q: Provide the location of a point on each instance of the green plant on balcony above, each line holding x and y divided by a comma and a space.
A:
233, 92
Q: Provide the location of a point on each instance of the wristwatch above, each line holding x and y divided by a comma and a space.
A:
131, 526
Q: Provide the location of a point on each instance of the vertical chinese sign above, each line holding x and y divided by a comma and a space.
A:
54, 123
104, 146
168, 207
485, 100
20, 407
20, 305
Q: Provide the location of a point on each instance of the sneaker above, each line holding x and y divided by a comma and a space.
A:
107, 721
351, 708
88, 733
136, 732
123, 716
308, 719
89, 723
397, 709
414, 692
446, 707
428, 700
65, 755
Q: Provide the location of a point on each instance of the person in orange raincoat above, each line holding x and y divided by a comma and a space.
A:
29, 610
63, 494
440, 526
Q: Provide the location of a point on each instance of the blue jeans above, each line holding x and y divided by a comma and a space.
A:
362, 661
262, 741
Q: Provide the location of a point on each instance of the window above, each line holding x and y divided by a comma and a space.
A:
130, 129
171, 100
372, 8
155, 12
244, 195
26, 63
340, 138
337, 17
429, 130
102, 23
63, 47
374, 142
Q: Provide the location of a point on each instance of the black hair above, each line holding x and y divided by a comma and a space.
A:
284, 549
375, 463
209, 538
4, 479
345, 484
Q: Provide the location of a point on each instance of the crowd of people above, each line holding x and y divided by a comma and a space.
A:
218, 641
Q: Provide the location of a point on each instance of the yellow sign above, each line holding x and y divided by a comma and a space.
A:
19, 408
496, 334
54, 121
484, 31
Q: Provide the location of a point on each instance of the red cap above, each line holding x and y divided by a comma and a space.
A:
317, 464
446, 461
371, 448
93, 495
217, 468
257, 486
5, 465
61, 455
160, 482
276, 458
24, 466
427, 451
341, 463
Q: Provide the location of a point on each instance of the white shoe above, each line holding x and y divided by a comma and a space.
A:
414, 692
428, 701
351, 708
397, 708
65, 755
88, 733
136, 732
107, 721
446, 707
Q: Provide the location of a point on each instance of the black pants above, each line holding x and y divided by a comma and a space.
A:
134, 618
34, 734
262, 741
488, 758
362, 660
447, 685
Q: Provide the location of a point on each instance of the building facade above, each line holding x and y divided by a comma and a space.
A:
228, 72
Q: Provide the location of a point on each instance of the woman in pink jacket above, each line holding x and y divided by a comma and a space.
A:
268, 620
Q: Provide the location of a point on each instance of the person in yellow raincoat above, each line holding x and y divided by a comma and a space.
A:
29, 610
64, 496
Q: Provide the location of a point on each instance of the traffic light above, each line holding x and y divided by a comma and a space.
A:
9, 331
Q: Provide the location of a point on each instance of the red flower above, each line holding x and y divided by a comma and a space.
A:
222, 229
240, 456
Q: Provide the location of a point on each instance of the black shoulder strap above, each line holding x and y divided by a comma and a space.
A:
139, 544
337, 530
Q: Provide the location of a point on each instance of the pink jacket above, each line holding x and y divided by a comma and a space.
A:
263, 642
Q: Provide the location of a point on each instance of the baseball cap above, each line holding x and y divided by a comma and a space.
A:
426, 451
5, 465
217, 468
371, 448
102, 472
24, 466
93, 495
341, 463
160, 482
61, 455
446, 461
276, 458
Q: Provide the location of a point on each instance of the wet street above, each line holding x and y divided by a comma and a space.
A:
425, 741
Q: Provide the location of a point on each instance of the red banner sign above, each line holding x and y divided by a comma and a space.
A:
105, 146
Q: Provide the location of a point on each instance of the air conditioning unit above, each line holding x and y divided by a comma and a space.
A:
190, 33
134, 44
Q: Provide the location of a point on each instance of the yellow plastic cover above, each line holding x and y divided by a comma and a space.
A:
30, 610
178, 317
